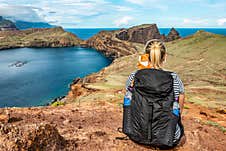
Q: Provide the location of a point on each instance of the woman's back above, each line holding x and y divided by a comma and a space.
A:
155, 97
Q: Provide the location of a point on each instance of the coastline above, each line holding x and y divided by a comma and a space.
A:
106, 51
93, 111
105, 42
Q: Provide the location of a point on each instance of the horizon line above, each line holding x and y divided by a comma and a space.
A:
132, 26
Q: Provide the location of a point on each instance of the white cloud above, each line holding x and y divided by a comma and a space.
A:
17, 12
72, 12
122, 8
221, 21
124, 21
139, 2
62, 12
156, 4
195, 22
105, 13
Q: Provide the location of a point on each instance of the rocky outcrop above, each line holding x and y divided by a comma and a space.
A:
121, 42
32, 137
39, 37
143, 33
123, 35
6, 24
140, 34
107, 43
173, 35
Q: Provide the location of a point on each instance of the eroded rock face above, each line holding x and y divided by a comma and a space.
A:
173, 35
123, 35
144, 33
107, 43
140, 34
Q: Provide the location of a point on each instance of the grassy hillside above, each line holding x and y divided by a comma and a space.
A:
199, 60
42, 37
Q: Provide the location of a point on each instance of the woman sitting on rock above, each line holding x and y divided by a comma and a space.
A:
154, 101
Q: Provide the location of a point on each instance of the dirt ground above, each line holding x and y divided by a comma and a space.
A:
93, 126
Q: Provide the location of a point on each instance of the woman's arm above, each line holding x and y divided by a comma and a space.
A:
181, 102
130, 79
179, 91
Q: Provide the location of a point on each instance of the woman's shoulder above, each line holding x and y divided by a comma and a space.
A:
133, 73
173, 74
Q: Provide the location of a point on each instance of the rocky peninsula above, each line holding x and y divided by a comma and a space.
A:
121, 42
38, 37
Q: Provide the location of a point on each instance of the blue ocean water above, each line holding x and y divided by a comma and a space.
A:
46, 74
85, 33
184, 32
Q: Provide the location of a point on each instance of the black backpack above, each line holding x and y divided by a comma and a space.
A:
149, 119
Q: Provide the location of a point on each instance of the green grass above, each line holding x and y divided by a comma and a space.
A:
57, 103
222, 128
186, 107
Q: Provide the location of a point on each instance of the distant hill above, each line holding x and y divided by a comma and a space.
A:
25, 25
38, 37
6, 24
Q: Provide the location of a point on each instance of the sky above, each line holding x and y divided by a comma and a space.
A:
118, 13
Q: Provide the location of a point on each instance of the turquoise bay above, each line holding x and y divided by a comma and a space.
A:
46, 74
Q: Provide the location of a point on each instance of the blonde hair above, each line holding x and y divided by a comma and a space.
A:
157, 51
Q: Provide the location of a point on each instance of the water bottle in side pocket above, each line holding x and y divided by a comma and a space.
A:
126, 128
127, 98
176, 108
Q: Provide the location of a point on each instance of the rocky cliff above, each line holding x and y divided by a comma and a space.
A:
145, 32
120, 43
173, 35
106, 42
140, 34
48, 37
